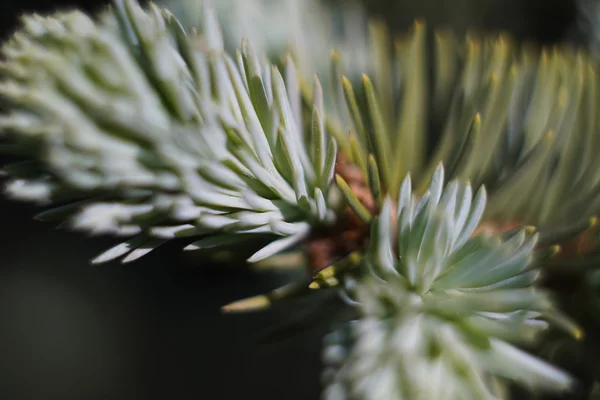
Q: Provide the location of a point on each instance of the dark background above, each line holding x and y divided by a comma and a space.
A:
69, 330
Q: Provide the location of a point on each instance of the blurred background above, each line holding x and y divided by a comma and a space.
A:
153, 329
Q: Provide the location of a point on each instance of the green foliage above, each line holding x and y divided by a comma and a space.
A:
439, 307
161, 133
519, 120
152, 132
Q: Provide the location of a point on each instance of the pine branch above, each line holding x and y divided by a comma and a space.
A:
160, 133
438, 309
516, 118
